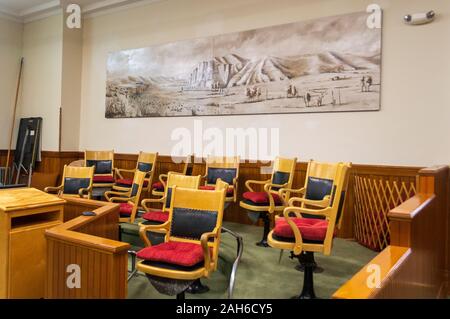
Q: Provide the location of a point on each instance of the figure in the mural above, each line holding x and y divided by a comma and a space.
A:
363, 84
369, 83
292, 91
307, 98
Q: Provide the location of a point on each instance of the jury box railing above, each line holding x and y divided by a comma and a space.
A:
416, 263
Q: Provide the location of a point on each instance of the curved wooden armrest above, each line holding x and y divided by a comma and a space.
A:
119, 170
51, 189
82, 191
151, 200
268, 186
109, 194
269, 191
291, 190
143, 229
247, 183
297, 235
322, 203
323, 212
120, 199
204, 239
163, 179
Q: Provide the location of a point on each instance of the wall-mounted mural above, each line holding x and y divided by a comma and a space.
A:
325, 65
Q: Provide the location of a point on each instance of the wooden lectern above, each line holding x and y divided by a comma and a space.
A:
25, 214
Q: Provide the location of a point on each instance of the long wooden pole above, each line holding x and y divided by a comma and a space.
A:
19, 78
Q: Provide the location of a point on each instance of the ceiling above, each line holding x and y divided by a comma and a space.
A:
28, 10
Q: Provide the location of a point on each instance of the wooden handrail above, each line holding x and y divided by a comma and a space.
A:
359, 288
411, 207
68, 230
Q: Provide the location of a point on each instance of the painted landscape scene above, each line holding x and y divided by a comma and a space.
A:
324, 65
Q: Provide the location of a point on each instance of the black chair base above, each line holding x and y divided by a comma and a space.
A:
303, 259
262, 243
308, 282
197, 288
266, 230
181, 296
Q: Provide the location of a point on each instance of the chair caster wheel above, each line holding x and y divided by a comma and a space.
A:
262, 243
197, 288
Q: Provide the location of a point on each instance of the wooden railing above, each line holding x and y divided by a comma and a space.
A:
90, 243
415, 265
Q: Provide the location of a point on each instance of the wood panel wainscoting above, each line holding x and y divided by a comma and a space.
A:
91, 242
416, 264
54, 162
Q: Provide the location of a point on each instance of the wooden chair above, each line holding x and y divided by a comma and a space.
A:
129, 200
310, 227
103, 161
158, 187
226, 169
268, 202
76, 181
146, 163
159, 216
191, 248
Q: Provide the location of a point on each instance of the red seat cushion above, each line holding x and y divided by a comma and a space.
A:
128, 182
261, 198
126, 209
158, 186
103, 179
156, 216
177, 253
230, 190
310, 228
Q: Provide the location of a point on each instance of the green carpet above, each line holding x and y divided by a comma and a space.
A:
259, 274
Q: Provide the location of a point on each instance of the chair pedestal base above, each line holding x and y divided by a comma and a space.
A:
266, 220
303, 259
197, 288
181, 296
308, 282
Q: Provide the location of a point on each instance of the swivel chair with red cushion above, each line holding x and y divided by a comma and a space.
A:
310, 227
225, 169
129, 200
269, 202
146, 163
190, 250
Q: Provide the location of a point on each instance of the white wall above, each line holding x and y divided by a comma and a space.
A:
10, 53
41, 90
71, 88
412, 127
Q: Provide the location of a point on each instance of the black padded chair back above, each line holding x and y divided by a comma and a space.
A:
144, 167
192, 223
72, 185
101, 166
225, 174
280, 178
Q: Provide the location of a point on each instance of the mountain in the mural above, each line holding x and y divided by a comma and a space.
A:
233, 70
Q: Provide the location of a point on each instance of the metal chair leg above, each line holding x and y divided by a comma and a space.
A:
133, 272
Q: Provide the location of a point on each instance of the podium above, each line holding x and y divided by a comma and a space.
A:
25, 214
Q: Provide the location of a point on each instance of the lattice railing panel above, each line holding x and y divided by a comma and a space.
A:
374, 198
